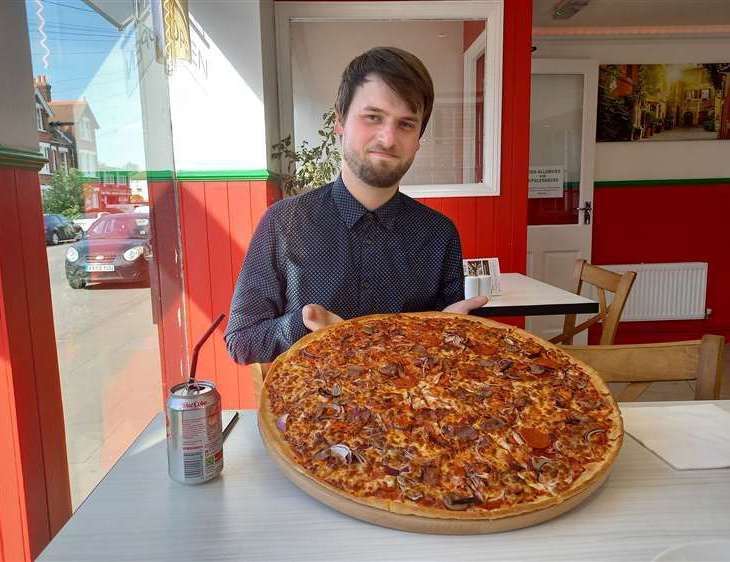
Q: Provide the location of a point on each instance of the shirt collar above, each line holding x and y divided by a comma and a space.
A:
352, 210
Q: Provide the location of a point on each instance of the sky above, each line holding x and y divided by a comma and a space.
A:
90, 58
78, 38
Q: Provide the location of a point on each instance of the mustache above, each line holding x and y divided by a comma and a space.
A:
380, 148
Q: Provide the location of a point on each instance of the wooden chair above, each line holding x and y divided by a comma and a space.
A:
642, 364
258, 374
608, 315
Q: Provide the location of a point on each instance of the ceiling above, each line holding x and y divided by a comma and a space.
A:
636, 13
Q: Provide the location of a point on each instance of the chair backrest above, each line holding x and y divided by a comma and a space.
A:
609, 315
642, 364
258, 374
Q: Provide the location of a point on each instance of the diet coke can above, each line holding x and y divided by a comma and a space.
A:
194, 432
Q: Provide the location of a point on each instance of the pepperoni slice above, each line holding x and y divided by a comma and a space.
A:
546, 362
535, 438
404, 382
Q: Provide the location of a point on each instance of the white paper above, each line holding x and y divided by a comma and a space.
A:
687, 437
546, 182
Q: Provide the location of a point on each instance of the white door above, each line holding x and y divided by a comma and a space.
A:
562, 145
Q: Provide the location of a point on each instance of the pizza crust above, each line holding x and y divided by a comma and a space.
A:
592, 476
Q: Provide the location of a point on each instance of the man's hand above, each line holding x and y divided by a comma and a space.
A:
466, 306
316, 317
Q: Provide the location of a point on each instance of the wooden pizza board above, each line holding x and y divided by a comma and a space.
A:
406, 522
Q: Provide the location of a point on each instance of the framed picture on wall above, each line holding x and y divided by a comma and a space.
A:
663, 102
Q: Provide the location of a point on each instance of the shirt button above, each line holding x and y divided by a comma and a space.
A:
365, 285
368, 242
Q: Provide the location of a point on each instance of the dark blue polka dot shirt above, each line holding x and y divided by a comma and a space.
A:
324, 247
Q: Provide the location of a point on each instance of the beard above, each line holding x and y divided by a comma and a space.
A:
383, 175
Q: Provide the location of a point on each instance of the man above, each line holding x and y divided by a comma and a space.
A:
356, 246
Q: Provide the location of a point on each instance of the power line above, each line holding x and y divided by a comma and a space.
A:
69, 7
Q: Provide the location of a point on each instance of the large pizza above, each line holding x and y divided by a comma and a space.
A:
443, 417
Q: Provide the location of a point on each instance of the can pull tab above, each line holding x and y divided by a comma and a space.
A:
194, 363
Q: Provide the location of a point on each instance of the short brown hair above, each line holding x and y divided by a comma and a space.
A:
402, 71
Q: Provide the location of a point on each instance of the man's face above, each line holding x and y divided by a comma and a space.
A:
380, 134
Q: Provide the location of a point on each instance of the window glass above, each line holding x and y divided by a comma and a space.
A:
95, 66
453, 50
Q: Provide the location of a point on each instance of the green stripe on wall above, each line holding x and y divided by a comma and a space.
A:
20, 158
646, 183
191, 175
225, 175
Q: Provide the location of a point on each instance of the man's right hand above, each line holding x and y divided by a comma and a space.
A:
316, 317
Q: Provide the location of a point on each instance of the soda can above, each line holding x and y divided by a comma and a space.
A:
194, 432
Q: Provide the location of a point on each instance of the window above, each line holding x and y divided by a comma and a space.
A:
64, 157
39, 117
84, 129
316, 41
53, 161
46, 150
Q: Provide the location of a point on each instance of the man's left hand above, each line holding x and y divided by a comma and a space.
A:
466, 306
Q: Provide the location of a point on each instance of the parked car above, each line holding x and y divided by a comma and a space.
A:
59, 229
116, 249
89, 218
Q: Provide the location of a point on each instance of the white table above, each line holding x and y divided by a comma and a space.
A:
253, 513
525, 296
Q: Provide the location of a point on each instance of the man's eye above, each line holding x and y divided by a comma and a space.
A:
373, 118
408, 125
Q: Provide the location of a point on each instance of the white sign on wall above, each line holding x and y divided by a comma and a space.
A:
546, 182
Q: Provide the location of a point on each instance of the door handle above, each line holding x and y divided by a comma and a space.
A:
587, 208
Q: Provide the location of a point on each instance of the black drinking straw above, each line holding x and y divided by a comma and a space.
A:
196, 349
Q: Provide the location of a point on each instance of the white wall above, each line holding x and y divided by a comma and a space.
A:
651, 160
17, 107
321, 51
217, 101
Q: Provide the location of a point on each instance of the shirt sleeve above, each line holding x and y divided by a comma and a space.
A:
258, 328
452, 276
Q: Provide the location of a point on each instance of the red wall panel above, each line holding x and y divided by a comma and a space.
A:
217, 222
672, 223
166, 282
35, 499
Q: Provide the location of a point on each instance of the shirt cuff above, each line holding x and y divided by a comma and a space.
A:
293, 328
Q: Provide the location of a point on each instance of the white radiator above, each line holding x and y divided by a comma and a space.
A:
665, 291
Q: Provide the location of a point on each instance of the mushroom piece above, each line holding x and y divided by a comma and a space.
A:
504, 364
458, 503
389, 369
454, 339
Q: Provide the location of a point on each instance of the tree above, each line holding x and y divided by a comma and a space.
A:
66, 194
310, 167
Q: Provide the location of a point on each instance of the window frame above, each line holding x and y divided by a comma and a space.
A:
39, 117
491, 11
46, 150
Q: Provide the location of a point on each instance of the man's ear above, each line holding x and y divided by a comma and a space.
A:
338, 124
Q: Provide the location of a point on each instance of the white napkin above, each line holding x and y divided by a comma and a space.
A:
687, 437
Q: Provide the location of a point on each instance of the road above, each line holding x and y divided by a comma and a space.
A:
110, 370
